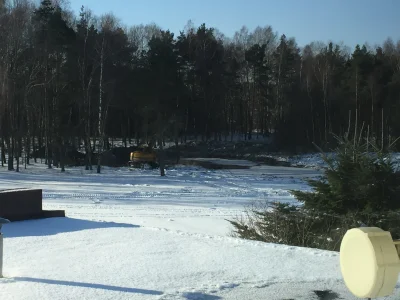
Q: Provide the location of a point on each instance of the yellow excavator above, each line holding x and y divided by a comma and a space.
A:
144, 156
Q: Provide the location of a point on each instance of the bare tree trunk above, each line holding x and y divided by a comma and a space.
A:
100, 131
34, 147
161, 156
10, 154
47, 123
383, 120
88, 147
160, 137
18, 151
3, 153
27, 149
62, 155
40, 144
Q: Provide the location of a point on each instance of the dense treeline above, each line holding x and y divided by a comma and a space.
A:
67, 80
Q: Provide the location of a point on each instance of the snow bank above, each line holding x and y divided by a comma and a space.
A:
75, 259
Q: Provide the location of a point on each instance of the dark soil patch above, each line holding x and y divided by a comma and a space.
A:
252, 151
326, 295
211, 165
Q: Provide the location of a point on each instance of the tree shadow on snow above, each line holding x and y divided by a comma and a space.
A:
89, 285
52, 226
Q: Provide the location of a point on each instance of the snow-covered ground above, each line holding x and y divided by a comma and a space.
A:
131, 234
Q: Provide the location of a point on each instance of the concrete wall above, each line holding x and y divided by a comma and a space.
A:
21, 204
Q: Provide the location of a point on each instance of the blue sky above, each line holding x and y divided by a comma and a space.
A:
348, 21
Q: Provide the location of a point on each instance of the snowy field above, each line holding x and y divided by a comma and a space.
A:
131, 234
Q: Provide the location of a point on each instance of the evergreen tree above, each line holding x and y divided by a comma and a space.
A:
356, 180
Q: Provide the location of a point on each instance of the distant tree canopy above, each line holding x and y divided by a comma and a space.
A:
67, 79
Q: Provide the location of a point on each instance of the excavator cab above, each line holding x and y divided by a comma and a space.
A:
145, 155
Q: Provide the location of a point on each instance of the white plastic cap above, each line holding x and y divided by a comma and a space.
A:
369, 262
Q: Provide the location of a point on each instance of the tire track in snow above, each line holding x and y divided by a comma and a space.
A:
134, 195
